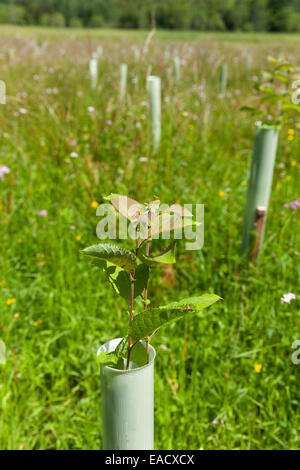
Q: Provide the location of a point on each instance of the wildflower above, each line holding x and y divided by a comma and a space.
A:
258, 368
42, 213
72, 228
74, 154
4, 170
143, 159
94, 204
286, 298
290, 137
10, 301
221, 193
109, 122
293, 163
16, 315
288, 177
295, 204
291, 131
23, 111
91, 109
78, 238
215, 421
37, 322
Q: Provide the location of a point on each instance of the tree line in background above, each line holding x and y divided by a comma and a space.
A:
202, 15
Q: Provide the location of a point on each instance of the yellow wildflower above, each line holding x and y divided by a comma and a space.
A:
293, 163
94, 204
78, 237
288, 177
221, 193
37, 322
290, 137
10, 301
291, 131
258, 368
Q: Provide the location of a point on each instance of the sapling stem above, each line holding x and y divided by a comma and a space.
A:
132, 298
145, 301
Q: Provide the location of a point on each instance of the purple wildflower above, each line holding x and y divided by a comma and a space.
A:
42, 213
4, 170
286, 298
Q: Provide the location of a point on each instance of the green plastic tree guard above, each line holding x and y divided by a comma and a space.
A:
176, 62
123, 82
260, 183
154, 86
94, 72
127, 404
223, 79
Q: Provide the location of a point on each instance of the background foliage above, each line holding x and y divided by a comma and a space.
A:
204, 15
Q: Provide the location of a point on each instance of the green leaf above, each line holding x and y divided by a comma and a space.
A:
145, 323
126, 206
292, 107
272, 98
122, 284
249, 109
166, 257
284, 67
108, 358
138, 355
281, 77
141, 277
165, 223
116, 255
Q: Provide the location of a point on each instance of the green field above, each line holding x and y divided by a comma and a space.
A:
55, 310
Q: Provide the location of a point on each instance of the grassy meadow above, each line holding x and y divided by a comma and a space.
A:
225, 381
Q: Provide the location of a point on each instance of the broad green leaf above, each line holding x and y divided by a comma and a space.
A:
285, 67
126, 206
293, 107
2, 352
108, 358
122, 284
121, 257
138, 354
281, 77
271, 98
145, 323
249, 109
179, 210
166, 257
117, 358
120, 280
165, 223
141, 277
